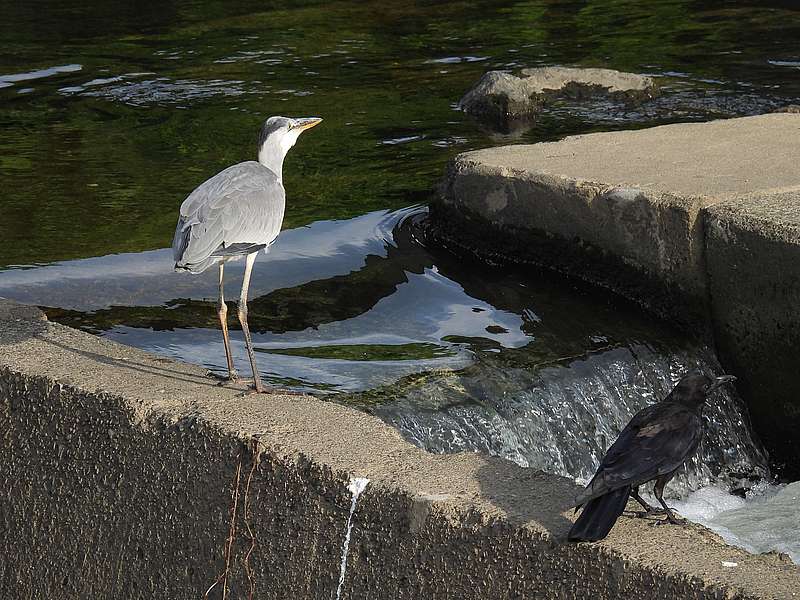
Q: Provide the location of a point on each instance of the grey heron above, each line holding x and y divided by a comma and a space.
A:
234, 214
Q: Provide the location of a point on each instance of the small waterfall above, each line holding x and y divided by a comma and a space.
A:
357, 486
561, 418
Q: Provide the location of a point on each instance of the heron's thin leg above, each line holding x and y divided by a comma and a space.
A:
222, 313
248, 269
658, 490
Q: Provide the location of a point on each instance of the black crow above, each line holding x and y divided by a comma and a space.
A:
653, 446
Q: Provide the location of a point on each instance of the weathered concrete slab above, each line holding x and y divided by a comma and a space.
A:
500, 97
119, 469
753, 257
618, 209
625, 210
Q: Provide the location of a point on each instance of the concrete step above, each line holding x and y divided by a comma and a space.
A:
628, 211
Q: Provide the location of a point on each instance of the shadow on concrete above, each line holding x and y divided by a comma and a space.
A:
143, 367
527, 495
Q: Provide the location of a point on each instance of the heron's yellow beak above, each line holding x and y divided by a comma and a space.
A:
306, 123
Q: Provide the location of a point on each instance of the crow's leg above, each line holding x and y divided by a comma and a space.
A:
658, 490
648, 510
635, 495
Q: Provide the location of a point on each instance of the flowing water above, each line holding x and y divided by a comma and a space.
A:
112, 114
766, 519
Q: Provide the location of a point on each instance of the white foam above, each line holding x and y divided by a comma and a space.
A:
767, 519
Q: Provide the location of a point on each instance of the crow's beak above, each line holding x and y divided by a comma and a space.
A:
306, 123
720, 381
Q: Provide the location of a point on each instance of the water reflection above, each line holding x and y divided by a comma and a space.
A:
11, 79
364, 282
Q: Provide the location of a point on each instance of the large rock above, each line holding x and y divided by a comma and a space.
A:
500, 97
625, 210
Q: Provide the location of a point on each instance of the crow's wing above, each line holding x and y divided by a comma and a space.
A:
657, 441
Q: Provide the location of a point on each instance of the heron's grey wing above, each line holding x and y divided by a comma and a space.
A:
657, 441
238, 211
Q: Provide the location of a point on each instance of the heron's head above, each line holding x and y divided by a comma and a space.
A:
279, 134
694, 388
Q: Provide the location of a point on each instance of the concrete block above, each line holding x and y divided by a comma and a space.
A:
753, 258
121, 472
620, 209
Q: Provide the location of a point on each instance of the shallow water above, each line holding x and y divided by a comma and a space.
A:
113, 113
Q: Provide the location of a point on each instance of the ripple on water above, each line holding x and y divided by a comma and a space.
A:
10, 79
453, 60
160, 90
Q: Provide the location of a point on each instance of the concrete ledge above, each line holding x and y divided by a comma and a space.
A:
753, 256
119, 466
628, 202
644, 243
629, 211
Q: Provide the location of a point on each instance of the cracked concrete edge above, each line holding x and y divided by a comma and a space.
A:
118, 469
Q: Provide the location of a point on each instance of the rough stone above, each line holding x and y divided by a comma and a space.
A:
500, 97
120, 470
625, 210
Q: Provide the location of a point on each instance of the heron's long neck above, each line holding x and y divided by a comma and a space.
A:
271, 156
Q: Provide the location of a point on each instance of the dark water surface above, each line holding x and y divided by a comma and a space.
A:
112, 114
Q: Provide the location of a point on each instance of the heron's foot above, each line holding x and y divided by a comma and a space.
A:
260, 388
650, 512
231, 377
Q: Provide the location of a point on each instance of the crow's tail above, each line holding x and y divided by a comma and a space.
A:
599, 516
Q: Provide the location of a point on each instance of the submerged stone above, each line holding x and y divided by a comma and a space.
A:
501, 98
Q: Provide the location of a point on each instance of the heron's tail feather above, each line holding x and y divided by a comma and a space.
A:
232, 251
197, 267
237, 249
599, 516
